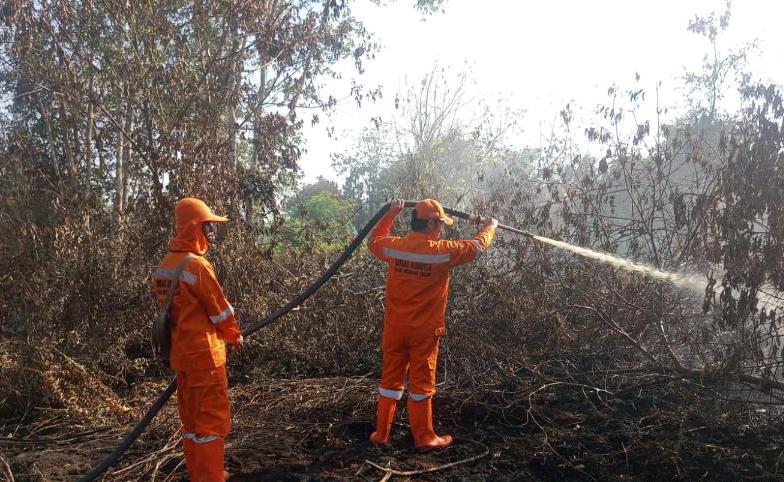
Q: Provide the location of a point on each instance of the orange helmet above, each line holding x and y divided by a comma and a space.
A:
190, 210
428, 209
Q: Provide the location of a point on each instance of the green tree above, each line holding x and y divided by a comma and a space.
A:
318, 214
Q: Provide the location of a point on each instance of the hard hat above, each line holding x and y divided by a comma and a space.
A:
190, 210
428, 209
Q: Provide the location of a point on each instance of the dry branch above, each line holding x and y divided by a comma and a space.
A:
389, 472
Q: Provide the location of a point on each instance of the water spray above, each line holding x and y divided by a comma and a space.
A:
692, 282
768, 298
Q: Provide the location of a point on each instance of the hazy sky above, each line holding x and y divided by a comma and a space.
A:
539, 55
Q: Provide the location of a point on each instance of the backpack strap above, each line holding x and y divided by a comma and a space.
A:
170, 295
160, 336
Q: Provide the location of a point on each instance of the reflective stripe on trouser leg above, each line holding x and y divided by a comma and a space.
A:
418, 397
199, 439
393, 394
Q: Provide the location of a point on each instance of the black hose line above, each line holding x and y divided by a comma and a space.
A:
299, 299
131, 436
461, 214
134, 434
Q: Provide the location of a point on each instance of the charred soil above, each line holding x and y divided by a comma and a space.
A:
531, 427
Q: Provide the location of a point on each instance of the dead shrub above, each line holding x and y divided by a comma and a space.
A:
36, 381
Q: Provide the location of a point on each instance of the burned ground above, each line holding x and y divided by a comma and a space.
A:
532, 426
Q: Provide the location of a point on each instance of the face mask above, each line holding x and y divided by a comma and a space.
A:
210, 231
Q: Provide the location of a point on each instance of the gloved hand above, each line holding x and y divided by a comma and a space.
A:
491, 222
396, 205
488, 221
238, 345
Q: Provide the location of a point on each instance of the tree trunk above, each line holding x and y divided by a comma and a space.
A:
119, 173
232, 100
257, 128
99, 151
127, 164
50, 140
68, 148
231, 129
88, 154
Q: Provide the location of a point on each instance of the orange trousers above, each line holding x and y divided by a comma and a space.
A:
413, 352
203, 404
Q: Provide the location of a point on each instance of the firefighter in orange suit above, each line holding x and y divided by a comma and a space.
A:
415, 303
203, 322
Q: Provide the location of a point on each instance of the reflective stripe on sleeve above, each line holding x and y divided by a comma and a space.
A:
418, 258
222, 315
168, 273
394, 394
417, 397
478, 246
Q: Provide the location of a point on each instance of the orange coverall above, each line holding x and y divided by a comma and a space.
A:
203, 321
415, 303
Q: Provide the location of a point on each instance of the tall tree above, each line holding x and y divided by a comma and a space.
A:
158, 92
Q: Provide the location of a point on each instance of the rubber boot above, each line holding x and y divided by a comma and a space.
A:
384, 417
208, 462
420, 414
187, 447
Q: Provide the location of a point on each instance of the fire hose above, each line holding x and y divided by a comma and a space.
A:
134, 434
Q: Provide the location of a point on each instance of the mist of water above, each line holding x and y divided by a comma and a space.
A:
693, 282
767, 297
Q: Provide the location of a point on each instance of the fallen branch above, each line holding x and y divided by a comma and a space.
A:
7, 469
389, 472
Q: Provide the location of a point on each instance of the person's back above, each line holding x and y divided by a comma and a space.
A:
415, 306
418, 275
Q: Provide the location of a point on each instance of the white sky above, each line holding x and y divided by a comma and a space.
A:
539, 55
